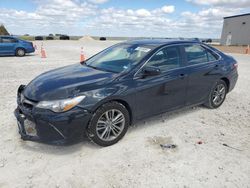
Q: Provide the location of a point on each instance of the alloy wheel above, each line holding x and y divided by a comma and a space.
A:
20, 52
110, 125
219, 94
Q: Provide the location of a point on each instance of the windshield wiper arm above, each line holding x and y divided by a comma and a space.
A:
91, 66
98, 68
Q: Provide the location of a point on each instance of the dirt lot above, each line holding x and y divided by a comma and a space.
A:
232, 49
137, 160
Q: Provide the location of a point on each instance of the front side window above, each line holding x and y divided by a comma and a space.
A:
166, 59
196, 54
119, 58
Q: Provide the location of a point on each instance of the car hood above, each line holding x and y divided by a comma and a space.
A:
66, 82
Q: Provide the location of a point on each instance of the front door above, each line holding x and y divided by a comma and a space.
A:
159, 93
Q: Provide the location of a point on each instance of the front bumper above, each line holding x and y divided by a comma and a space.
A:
55, 129
51, 127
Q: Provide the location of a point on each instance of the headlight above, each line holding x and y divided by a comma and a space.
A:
60, 105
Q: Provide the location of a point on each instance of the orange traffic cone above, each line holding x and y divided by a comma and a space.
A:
247, 50
43, 52
82, 57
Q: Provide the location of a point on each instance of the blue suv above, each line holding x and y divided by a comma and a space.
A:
10, 45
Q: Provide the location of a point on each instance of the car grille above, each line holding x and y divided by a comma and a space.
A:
25, 104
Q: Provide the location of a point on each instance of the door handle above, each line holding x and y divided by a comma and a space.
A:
182, 76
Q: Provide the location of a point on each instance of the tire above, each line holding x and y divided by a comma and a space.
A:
212, 103
101, 122
20, 52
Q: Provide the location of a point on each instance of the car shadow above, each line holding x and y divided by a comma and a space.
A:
59, 149
83, 142
166, 116
27, 55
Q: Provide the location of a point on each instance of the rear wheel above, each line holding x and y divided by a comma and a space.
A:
109, 124
217, 95
20, 52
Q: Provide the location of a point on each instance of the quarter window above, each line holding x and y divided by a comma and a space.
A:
197, 54
211, 57
166, 59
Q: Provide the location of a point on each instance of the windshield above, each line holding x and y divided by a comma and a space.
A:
119, 58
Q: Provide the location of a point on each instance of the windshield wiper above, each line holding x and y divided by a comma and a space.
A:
91, 66
98, 68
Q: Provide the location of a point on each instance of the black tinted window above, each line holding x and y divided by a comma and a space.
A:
212, 57
166, 59
197, 54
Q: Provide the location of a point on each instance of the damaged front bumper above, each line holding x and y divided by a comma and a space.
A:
22, 130
43, 125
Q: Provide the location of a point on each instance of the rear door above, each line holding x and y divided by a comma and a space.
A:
203, 70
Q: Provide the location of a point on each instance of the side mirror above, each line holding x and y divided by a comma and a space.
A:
150, 71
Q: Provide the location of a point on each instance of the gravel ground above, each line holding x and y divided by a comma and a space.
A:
137, 160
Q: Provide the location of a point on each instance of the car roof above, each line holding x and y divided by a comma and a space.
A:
158, 42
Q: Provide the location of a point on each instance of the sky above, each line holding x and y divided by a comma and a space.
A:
130, 18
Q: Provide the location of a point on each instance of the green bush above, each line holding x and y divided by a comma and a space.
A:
30, 38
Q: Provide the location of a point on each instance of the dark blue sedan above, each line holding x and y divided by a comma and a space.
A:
120, 85
10, 45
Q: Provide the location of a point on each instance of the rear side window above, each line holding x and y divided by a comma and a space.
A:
166, 59
8, 40
196, 54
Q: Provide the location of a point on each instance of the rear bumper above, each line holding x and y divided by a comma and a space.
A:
233, 77
30, 50
54, 128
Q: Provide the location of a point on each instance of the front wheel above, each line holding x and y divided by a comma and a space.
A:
109, 124
217, 95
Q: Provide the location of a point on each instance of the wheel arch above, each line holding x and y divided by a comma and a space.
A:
226, 80
127, 106
121, 101
20, 47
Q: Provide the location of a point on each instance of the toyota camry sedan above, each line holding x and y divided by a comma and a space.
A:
102, 96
